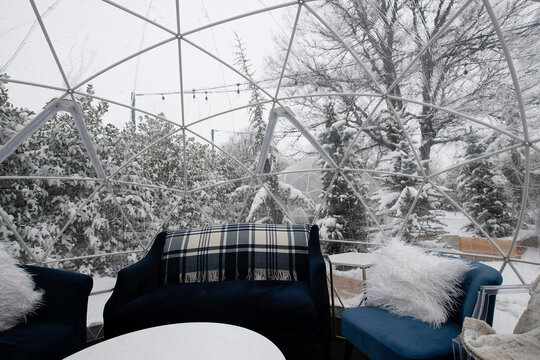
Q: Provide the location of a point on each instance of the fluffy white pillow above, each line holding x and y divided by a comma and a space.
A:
408, 281
17, 295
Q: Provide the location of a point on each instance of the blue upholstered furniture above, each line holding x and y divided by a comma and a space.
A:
285, 311
380, 335
58, 328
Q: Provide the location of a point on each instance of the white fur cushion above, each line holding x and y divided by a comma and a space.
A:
408, 281
17, 295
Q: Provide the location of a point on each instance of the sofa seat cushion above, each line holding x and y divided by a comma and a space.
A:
382, 335
37, 341
252, 304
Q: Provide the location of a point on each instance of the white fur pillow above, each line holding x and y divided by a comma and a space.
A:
408, 281
17, 295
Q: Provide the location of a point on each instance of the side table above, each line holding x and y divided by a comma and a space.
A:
352, 259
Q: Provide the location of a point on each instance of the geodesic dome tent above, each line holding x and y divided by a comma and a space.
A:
121, 118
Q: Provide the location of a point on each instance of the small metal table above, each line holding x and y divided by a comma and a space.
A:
354, 259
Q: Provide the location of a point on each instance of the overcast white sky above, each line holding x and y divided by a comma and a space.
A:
90, 35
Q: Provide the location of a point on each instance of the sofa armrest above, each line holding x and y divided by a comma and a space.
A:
137, 279
65, 298
318, 284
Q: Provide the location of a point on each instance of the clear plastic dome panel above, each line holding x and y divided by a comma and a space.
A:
144, 83
26, 56
374, 122
96, 35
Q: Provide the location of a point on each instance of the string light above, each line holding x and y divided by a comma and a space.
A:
229, 88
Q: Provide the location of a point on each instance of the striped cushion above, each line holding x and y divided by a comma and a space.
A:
236, 252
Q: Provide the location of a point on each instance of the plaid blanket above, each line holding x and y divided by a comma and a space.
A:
236, 252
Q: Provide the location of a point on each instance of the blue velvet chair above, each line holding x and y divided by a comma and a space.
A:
58, 327
380, 335
284, 311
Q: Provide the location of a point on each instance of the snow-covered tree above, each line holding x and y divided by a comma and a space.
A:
177, 164
484, 191
457, 70
400, 189
506, 116
120, 215
41, 208
343, 217
265, 203
12, 194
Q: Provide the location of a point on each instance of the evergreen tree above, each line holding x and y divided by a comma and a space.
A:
13, 194
512, 163
484, 191
342, 214
263, 206
397, 194
164, 165
40, 208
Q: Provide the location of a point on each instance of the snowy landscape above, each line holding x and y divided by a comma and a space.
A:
374, 120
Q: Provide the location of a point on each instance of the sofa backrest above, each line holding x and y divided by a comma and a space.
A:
242, 251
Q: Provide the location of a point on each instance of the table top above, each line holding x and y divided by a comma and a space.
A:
353, 259
193, 341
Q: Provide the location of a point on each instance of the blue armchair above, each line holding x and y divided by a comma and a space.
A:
58, 328
285, 311
381, 335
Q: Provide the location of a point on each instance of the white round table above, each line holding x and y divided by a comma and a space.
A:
193, 341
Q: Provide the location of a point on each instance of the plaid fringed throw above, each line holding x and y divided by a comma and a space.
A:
236, 252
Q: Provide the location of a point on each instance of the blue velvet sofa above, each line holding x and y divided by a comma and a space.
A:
285, 311
58, 327
380, 335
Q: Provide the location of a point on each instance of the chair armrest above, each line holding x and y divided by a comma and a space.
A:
137, 279
318, 284
487, 294
65, 299
483, 310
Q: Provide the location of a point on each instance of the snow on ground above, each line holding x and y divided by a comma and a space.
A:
96, 302
453, 222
